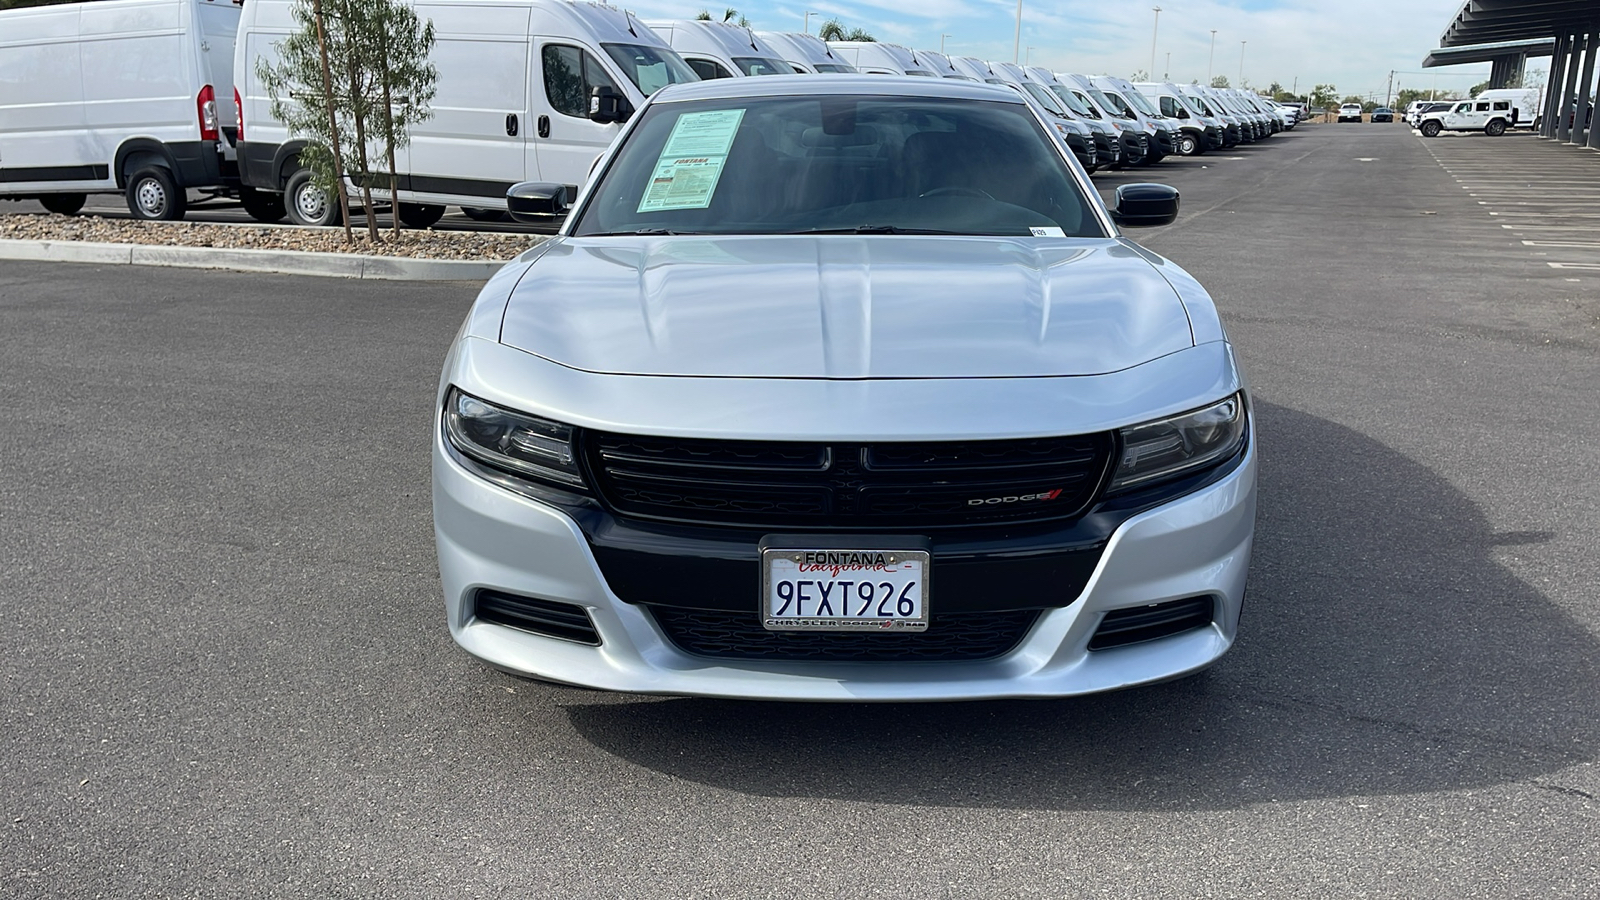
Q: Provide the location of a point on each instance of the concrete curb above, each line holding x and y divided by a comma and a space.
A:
291, 262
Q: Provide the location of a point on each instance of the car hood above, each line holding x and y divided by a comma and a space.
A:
845, 307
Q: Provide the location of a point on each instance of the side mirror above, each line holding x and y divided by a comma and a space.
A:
536, 202
607, 104
1183, 114
1142, 205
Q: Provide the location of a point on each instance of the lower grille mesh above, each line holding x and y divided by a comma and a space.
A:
949, 638
546, 617
1122, 627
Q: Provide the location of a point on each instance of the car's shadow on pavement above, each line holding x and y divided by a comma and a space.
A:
1383, 650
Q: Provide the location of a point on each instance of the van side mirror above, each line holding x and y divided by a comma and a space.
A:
1183, 114
607, 104
536, 202
1142, 205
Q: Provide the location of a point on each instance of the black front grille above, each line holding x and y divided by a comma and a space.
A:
951, 637
1122, 627
546, 617
767, 484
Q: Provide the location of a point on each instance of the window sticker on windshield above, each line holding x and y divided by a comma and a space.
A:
1046, 231
691, 163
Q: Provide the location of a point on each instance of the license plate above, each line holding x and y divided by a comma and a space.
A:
844, 590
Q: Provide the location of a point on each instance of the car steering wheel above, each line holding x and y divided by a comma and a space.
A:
956, 192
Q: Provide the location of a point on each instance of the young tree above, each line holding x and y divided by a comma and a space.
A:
1220, 81
304, 99
355, 73
833, 30
1324, 96
408, 81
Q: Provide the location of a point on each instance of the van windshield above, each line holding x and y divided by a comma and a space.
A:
1045, 98
841, 164
650, 68
1115, 107
761, 65
1072, 102
1139, 102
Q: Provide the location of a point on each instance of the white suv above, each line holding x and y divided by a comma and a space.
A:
1350, 112
1492, 117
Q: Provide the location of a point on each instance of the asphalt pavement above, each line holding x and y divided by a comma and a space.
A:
224, 669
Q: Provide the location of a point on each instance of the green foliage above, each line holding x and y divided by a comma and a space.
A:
1477, 89
1324, 96
702, 16
833, 30
352, 78
1220, 81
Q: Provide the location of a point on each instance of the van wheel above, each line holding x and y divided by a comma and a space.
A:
153, 195
308, 204
1495, 128
263, 206
1188, 146
484, 215
419, 215
1430, 129
63, 204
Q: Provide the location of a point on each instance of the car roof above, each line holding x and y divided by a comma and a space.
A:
877, 85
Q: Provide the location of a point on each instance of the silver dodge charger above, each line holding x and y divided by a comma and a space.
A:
837, 388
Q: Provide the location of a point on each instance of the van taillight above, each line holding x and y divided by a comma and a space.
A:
206, 106
238, 109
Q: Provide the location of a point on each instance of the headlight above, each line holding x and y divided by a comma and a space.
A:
1170, 447
521, 443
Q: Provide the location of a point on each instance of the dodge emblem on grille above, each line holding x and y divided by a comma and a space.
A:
1018, 498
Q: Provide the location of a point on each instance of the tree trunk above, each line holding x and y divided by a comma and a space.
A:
352, 68
333, 119
385, 76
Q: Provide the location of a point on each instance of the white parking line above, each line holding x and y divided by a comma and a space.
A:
1588, 245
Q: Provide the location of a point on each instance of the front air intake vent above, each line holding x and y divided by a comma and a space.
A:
1122, 627
546, 617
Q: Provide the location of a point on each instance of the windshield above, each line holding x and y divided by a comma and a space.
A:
650, 68
920, 74
1045, 98
760, 65
838, 163
1111, 106
1072, 102
1139, 102
834, 67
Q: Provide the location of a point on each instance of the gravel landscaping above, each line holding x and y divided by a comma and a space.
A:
415, 244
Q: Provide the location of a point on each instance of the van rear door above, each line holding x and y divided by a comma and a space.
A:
218, 22
473, 146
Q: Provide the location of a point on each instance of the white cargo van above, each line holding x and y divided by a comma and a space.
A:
117, 96
720, 49
528, 90
879, 58
1199, 132
807, 53
941, 65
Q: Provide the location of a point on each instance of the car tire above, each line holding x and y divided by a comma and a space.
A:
1431, 129
308, 204
484, 215
153, 195
263, 206
419, 215
1495, 128
1188, 145
63, 204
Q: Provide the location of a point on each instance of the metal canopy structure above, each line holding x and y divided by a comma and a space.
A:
1506, 32
1495, 21
1481, 53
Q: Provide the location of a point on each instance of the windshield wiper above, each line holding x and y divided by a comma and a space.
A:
874, 229
641, 231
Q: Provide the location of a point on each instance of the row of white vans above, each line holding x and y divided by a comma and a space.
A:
133, 97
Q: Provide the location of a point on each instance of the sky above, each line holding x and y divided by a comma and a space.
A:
1352, 44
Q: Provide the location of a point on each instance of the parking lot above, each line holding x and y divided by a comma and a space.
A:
226, 670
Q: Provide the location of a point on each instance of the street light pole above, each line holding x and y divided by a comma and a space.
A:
1212, 65
1016, 45
941, 43
1241, 64
809, 14
1154, 30
1167, 74
1028, 56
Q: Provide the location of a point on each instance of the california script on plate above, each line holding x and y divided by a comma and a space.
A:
844, 590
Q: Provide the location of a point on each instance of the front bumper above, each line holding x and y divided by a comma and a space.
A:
488, 537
